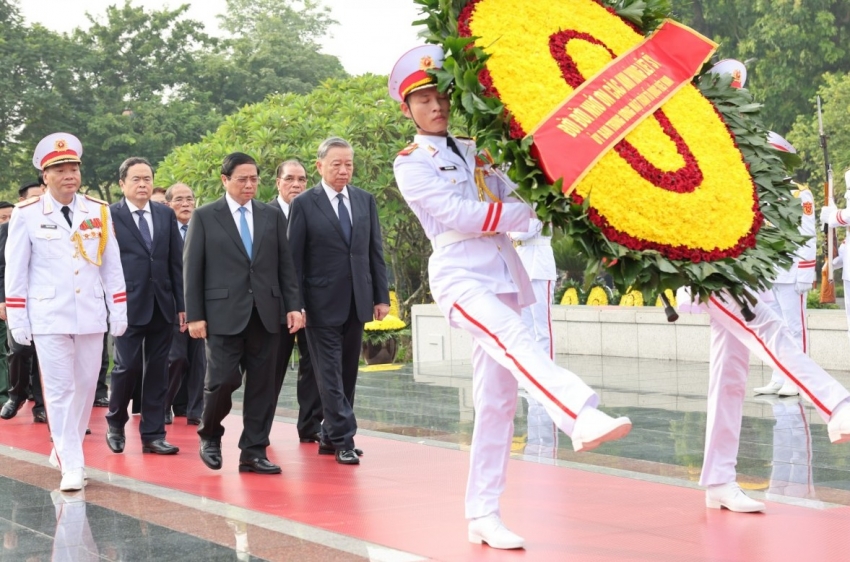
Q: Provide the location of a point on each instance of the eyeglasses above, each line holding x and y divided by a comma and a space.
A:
290, 179
181, 200
245, 180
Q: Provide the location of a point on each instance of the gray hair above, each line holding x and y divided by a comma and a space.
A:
169, 193
286, 163
333, 142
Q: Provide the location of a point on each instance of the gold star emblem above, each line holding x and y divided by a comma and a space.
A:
60, 145
426, 62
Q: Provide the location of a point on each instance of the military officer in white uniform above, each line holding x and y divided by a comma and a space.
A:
792, 285
479, 283
535, 250
838, 262
61, 260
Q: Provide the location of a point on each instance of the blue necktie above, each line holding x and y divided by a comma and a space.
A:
144, 229
246, 234
344, 220
183, 230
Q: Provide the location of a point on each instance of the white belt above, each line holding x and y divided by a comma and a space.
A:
452, 237
533, 242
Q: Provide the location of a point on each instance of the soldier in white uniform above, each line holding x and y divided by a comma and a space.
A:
535, 250
61, 259
838, 262
792, 286
479, 283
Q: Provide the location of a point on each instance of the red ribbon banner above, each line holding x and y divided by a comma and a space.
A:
605, 108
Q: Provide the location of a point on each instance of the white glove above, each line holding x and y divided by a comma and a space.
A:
827, 214
802, 287
117, 329
22, 335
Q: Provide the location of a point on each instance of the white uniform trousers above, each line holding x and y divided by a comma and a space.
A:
69, 368
732, 338
791, 307
503, 354
542, 433
791, 473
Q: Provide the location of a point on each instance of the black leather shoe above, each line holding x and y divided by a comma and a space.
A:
39, 417
193, 421
211, 454
347, 457
258, 465
314, 438
169, 417
10, 409
115, 438
160, 447
328, 449
102, 402
88, 432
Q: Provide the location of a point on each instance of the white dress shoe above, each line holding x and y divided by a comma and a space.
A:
490, 530
770, 388
732, 497
72, 480
592, 428
839, 425
788, 389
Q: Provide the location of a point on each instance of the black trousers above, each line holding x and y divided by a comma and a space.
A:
102, 390
254, 353
335, 351
187, 363
309, 401
24, 376
142, 353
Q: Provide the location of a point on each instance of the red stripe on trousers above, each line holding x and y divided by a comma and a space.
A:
803, 320
775, 360
549, 318
486, 228
518, 366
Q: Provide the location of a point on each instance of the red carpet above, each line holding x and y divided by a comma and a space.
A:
410, 497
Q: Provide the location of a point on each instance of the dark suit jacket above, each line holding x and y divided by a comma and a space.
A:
275, 204
4, 235
223, 285
152, 276
330, 272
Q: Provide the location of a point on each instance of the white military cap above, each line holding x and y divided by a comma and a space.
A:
734, 67
410, 72
780, 143
57, 148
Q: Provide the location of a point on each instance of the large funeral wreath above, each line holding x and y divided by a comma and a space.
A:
693, 196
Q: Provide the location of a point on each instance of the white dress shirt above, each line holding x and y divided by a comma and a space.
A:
332, 193
237, 215
183, 228
284, 206
148, 215
58, 206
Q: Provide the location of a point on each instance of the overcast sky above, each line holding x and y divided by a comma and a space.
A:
370, 36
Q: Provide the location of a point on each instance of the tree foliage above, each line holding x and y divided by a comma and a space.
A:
788, 46
287, 126
140, 82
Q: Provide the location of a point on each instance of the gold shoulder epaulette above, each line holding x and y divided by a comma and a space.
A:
408, 150
28, 202
95, 199
466, 138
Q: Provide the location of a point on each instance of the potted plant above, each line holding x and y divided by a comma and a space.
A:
380, 339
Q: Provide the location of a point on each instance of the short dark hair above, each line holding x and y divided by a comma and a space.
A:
235, 159
286, 163
27, 186
158, 190
41, 179
5, 205
128, 163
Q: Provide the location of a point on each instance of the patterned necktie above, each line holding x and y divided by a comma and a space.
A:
344, 219
183, 230
245, 233
144, 229
66, 210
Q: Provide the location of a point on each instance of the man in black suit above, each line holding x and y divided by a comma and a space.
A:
186, 360
151, 256
24, 377
291, 181
336, 244
240, 288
